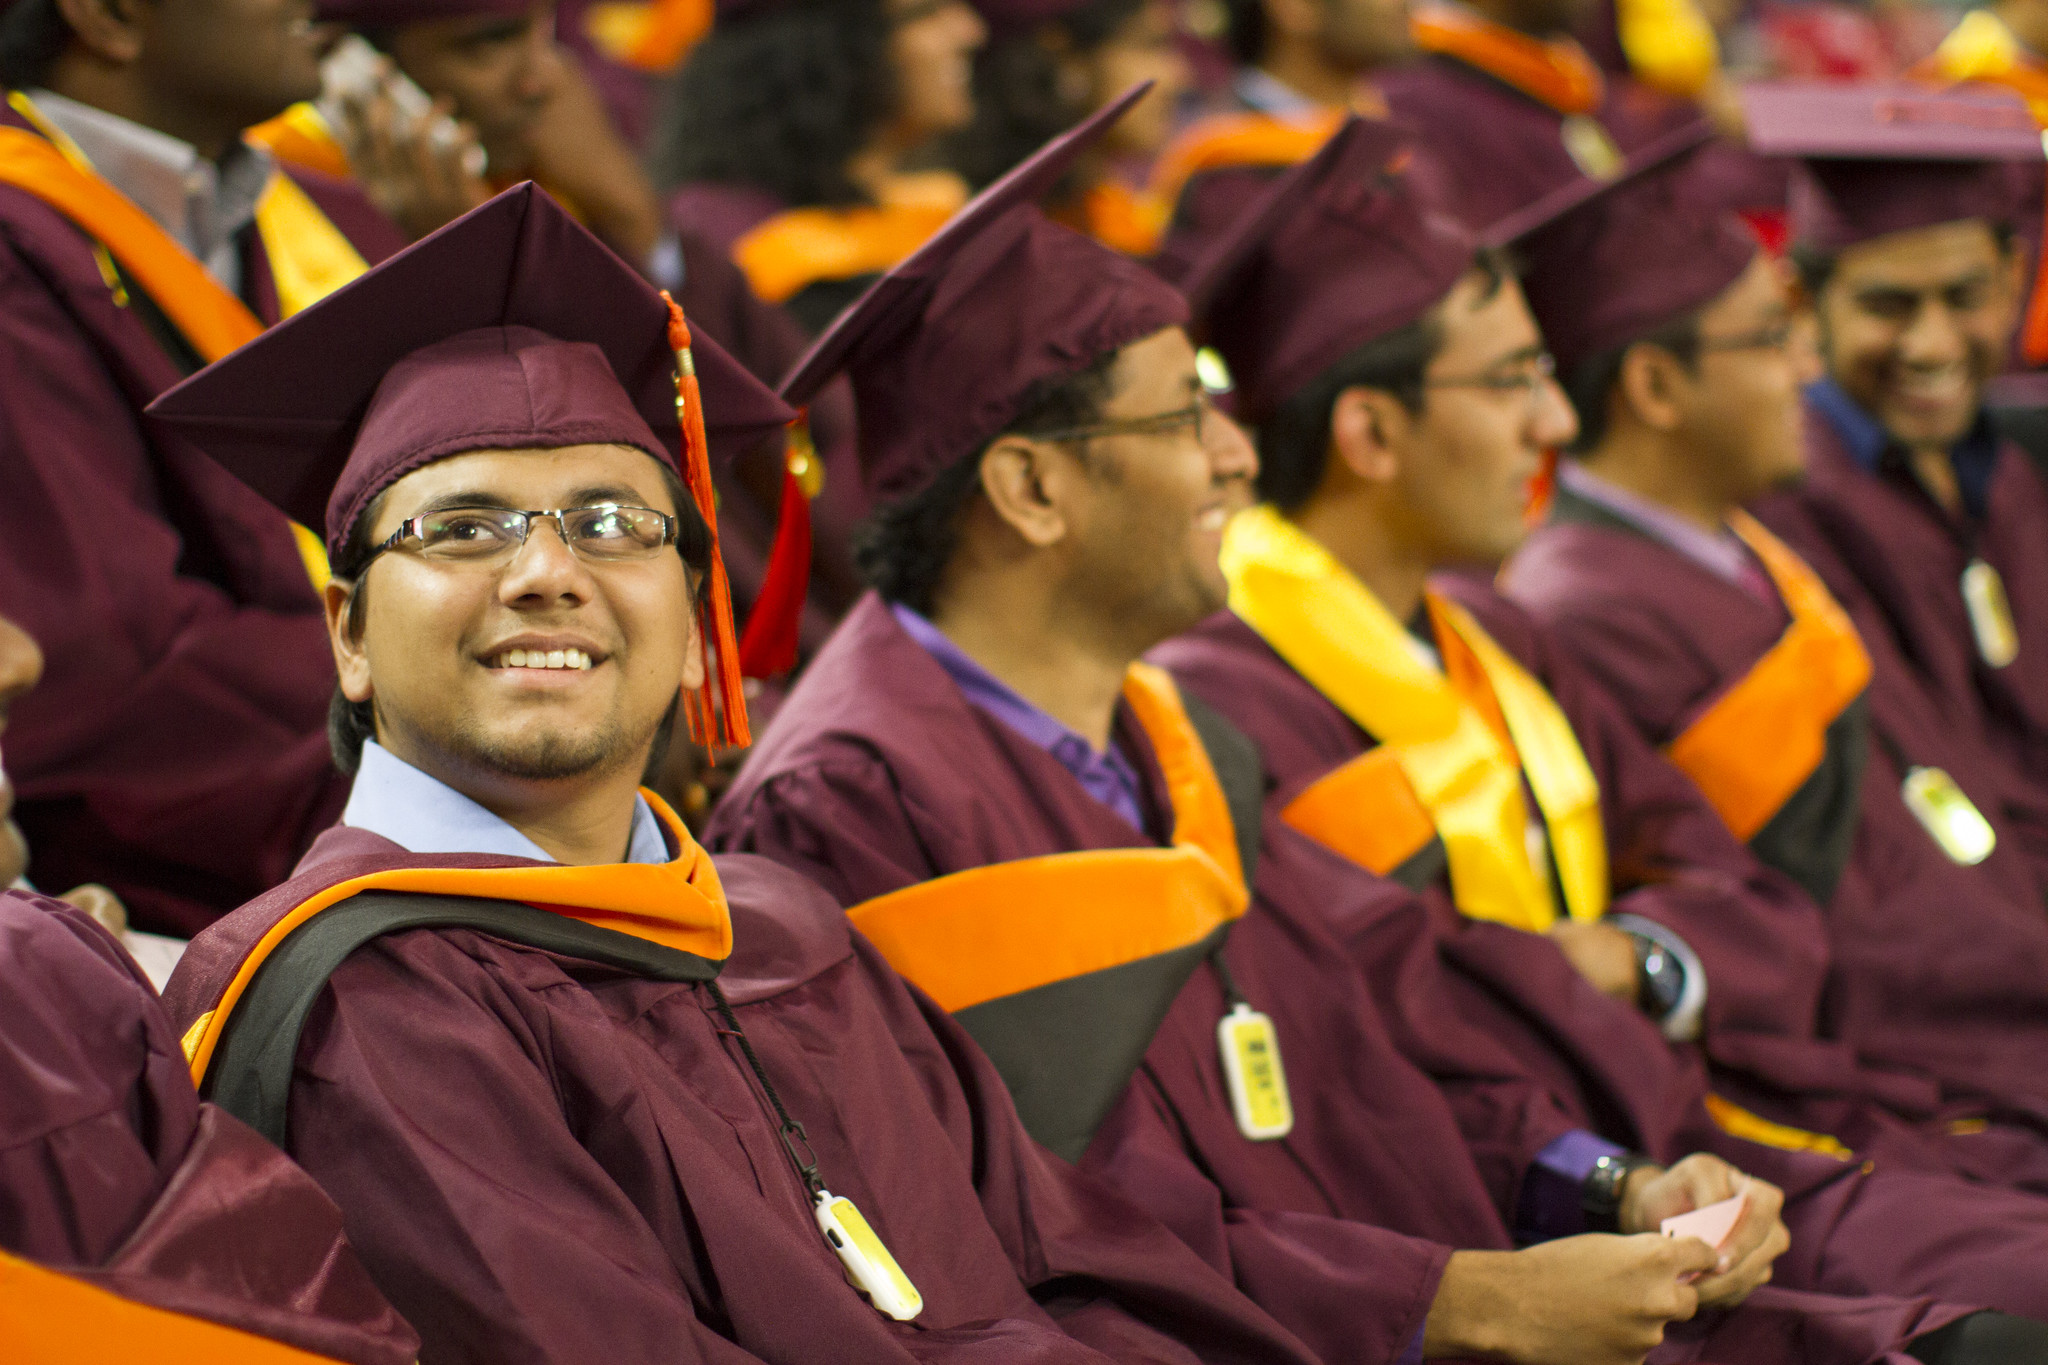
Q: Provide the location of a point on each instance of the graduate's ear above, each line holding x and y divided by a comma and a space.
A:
111, 30
1368, 428
1023, 480
344, 603
693, 654
1649, 387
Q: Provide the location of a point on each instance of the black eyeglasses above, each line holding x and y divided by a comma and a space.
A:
1526, 376
1211, 381
605, 532
1772, 338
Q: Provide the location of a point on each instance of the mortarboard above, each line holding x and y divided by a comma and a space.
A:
1652, 248
945, 348
511, 327
1336, 253
1879, 159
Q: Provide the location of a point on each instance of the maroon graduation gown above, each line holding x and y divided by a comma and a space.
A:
177, 748
538, 1157
1878, 536
113, 1173
879, 774
1933, 966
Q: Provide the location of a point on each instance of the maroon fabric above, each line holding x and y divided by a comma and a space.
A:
1500, 150
1763, 944
1626, 262
1335, 254
1934, 966
1879, 537
330, 407
879, 774
946, 347
721, 214
177, 749
113, 1172
1883, 158
534, 1153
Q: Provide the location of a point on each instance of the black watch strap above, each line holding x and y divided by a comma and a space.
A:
1600, 1193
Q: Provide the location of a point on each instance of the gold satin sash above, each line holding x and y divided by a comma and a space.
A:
1763, 737
679, 904
990, 932
1465, 767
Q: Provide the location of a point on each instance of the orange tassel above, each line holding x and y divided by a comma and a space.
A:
717, 712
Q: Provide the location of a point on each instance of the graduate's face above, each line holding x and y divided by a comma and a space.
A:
1145, 48
1141, 516
1463, 463
1739, 406
21, 664
246, 59
499, 69
436, 651
931, 50
1912, 325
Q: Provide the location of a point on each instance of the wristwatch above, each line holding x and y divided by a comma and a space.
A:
1660, 977
1600, 1193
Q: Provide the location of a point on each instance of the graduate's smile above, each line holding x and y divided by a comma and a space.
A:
543, 658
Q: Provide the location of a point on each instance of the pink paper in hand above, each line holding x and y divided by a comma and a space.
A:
1711, 1224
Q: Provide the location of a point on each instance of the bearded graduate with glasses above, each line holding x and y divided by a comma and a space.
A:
581, 1090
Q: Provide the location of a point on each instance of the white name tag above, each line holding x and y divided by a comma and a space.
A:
1948, 815
869, 1266
1252, 1069
1998, 641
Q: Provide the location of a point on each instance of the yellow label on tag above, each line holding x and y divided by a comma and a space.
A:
1252, 1069
1590, 148
868, 1264
1949, 816
1998, 641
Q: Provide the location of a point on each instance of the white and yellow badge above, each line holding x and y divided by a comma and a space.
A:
1998, 641
1590, 147
869, 1266
1252, 1069
1949, 816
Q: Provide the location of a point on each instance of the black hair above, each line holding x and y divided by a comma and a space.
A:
1816, 266
33, 34
1294, 442
350, 723
1245, 29
1018, 105
904, 547
1591, 383
782, 101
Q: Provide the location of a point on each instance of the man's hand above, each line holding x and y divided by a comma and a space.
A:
1602, 954
420, 180
1592, 1300
102, 904
1757, 1239
581, 158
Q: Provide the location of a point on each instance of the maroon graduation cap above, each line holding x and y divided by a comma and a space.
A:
1879, 159
945, 348
1337, 252
1654, 246
512, 327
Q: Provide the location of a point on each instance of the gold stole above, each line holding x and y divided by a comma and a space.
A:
1461, 741
1760, 741
309, 256
679, 904
47, 1318
990, 932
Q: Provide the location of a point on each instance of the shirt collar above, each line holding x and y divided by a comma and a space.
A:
202, 204
1867, 442
1106, 774
1722, 554
423, 814
1270, 95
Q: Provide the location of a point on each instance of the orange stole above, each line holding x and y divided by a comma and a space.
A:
300, 137
214, 321
1366, 810
52, 1319
996, 931
678, 904
783, 255
1762, 738
1557, 72
1246, 139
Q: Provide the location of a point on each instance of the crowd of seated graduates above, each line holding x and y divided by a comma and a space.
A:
1049, 680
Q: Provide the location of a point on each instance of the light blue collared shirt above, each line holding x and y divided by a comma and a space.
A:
422, 814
